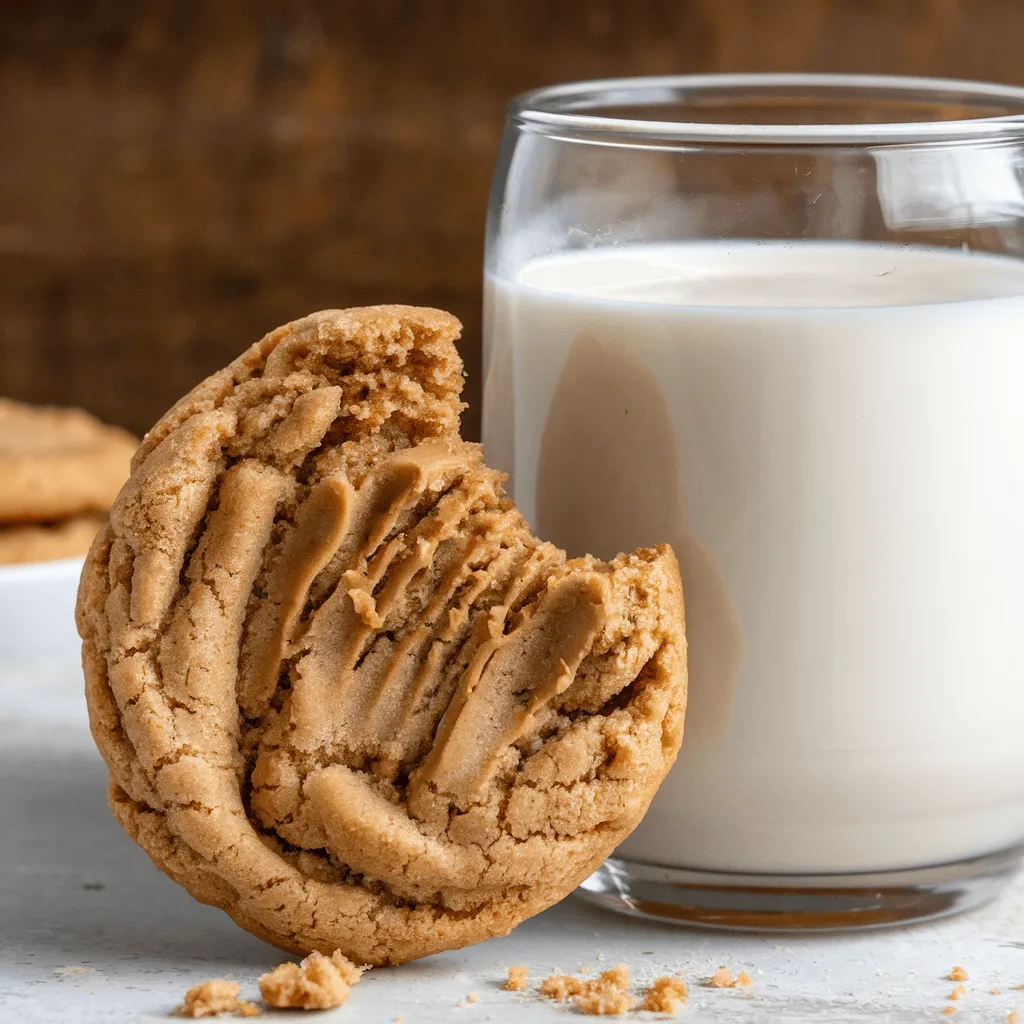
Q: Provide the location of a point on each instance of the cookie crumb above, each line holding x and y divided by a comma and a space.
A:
957, 992
560, 987
400, 1019
317, 983
958, 974
664, 995
996, 992
1011, 1017
722, 978
604, 996
472, 997
517, 975
214, 997
618, 977
948, 1011
604, 1002
366, 608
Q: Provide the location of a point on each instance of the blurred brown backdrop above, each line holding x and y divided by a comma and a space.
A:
178, 177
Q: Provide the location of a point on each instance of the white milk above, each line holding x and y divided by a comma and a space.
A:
831, 435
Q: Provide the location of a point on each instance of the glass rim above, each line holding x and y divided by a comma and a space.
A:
569, 107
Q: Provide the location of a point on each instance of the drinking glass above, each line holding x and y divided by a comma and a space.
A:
778, 322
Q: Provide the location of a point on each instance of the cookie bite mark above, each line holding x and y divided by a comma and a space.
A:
391, 362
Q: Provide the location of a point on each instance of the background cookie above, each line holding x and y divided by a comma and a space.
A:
38, 542
342, 692
56, 463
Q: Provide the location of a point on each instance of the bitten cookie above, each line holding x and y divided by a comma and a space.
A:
342, 691
56, 463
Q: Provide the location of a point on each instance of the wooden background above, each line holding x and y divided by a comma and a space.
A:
178, 177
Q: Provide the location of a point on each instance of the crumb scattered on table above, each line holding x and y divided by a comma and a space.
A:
948, 1011
958, 991
958, 974
606, 995
608, 1002
560, 987
996, 992
1011, 1017
214, 997
722, 978
618, 976
517, 975
664, 995
317, 983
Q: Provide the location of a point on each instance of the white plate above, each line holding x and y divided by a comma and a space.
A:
37, 609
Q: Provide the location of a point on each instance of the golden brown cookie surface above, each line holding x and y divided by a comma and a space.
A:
57, 463
343, 693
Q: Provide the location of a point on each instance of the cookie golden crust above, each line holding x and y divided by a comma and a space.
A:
57, 463
342, 691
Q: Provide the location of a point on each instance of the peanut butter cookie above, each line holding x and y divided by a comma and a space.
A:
342, 691
44, 542
56, 463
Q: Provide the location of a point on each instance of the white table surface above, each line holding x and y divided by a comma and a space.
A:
90, 931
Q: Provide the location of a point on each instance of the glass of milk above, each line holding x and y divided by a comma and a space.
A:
778, 322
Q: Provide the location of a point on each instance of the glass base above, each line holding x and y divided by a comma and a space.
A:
751, 902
